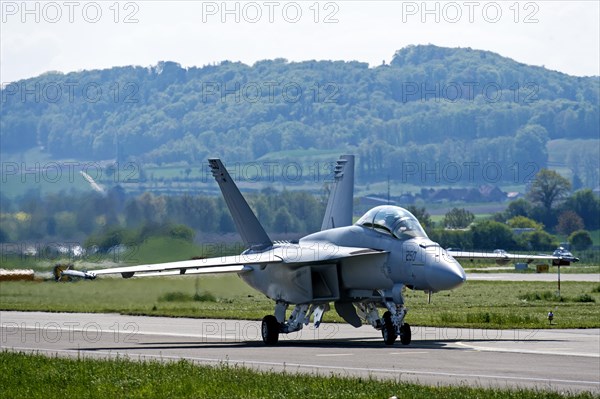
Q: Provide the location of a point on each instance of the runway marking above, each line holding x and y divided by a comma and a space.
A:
408, 352
224, 336
286, 365
528, 351
334, 354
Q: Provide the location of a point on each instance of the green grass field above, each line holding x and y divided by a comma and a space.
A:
44, 377
479, 304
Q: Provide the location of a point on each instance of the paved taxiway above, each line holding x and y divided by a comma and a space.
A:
580, 277
563, 360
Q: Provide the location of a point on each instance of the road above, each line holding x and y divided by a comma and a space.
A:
562, 360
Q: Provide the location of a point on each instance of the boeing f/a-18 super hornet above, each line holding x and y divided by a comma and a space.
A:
360, 267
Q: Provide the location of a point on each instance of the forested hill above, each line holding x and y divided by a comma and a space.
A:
433, 102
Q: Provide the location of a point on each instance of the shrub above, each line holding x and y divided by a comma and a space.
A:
585, 298
580, 240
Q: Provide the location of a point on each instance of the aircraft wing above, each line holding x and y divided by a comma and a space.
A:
503, 257
223, 264
316, 252
297, 255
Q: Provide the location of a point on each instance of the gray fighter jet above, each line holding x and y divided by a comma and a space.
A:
360, 267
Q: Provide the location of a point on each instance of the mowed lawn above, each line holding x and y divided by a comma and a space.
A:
480, 304
36, 376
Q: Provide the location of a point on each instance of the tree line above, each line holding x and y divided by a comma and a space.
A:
75, 216
438, 104
549, 207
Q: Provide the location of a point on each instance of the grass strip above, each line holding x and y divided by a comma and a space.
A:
477, 304
37, 376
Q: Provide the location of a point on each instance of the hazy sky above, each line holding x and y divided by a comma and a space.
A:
74, 35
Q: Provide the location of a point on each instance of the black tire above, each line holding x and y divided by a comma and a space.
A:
405, 334
270, 330
388, 331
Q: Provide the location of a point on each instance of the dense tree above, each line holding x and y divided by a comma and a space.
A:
524, 222
403, 112
530, 147
519, 207
587, 206
181, 232
458, 218
548, 188
283, 221
458, 239
4, 237
580, 240
422, 216
537, 241
568, 222
491, 235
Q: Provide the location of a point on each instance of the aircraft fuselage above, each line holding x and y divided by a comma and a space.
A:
417, 263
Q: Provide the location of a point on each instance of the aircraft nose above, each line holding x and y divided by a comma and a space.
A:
445, 275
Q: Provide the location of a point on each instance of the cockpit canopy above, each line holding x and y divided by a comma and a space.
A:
392, 220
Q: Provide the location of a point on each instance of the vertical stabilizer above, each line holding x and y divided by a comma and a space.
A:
245, 220
341, 197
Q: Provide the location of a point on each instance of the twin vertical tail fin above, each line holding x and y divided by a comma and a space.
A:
339, 206
246, 223
337, 214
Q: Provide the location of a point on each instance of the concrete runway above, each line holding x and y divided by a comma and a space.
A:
561, 360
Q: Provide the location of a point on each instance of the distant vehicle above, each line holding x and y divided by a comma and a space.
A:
360, 267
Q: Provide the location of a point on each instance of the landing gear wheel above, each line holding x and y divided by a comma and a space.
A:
270, 330
405, 334
388, 330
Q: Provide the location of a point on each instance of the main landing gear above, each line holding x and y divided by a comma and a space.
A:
392, 323
272, 326
270, 330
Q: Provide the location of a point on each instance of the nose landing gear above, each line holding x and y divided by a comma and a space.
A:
393, 325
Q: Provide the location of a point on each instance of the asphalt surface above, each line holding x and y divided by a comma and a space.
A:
580, 277
561, 360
